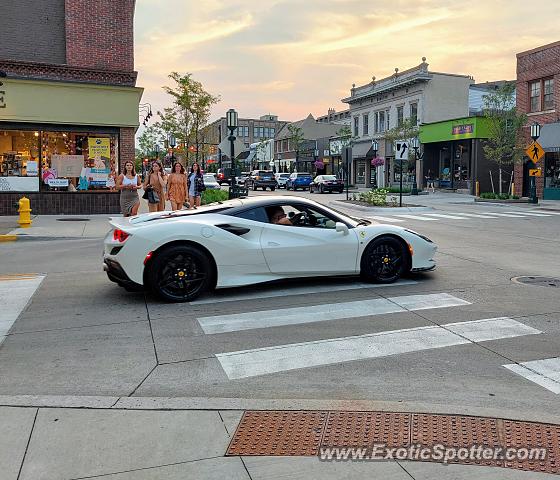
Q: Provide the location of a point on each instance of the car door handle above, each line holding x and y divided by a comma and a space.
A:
273, 244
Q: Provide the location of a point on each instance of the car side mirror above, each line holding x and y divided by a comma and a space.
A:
341, 228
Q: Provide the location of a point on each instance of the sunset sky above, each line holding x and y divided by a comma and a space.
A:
295, 57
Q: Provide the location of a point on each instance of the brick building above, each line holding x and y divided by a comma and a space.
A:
538, 96
68, 103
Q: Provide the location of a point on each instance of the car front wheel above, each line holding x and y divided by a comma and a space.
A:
180, 274
384, 260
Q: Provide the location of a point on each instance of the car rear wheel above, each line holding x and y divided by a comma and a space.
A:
254, 188
384, 260
180, 274
321, 189
272, 189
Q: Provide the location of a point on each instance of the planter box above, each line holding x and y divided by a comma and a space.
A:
495, 200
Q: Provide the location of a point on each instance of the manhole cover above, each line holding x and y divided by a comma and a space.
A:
72, 219
538, 281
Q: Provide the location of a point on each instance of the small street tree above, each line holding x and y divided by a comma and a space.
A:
505, 143
296, 139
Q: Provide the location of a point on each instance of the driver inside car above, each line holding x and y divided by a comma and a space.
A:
277, 216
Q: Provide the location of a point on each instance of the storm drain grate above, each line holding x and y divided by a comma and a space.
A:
538, 281
309, 433
72, 219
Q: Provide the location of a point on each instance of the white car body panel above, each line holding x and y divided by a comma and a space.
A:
267, 252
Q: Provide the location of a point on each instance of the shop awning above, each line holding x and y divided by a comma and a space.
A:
243, 155
550, 137
359, 150
371, 153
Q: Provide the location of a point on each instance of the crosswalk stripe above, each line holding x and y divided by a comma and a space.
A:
442, 215
15, 293
387, 219
531, 214
509, 215
478, 215
262, 361
549, 212
416, 217
326, 312
545, 373
304, 290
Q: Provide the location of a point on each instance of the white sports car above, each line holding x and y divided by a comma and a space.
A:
181, 254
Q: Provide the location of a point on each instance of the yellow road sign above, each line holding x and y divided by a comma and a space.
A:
535, 152
535, 172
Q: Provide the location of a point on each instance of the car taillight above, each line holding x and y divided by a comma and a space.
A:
120, 235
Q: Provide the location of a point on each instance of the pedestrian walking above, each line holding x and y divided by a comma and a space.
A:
195, 183
177, 186
430, 181
128, 183
154, 184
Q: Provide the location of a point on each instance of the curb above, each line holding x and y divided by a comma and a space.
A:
499, 202
221, 403
380, 210
8, 238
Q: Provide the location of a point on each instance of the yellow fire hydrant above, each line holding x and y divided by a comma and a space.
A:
24, 211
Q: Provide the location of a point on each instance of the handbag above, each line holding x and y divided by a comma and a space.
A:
148, 190
153, 197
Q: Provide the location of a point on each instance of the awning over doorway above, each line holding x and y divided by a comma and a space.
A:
550, 137
359, 150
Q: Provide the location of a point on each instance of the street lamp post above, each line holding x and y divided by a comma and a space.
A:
417, 156
172, 145
156, 150
232, 124
535, 134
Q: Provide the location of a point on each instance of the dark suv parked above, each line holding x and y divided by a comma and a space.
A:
262, 179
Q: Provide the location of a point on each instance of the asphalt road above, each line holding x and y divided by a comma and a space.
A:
83, 335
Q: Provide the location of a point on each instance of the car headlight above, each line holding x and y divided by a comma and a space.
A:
419, 235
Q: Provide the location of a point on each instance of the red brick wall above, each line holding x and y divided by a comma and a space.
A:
99, 34
126, 146
541, 62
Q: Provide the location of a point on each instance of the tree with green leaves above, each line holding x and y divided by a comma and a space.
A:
296, 139
505, 143
189, 114
148, 139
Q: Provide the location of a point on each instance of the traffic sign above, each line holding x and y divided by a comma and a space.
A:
401, 151
535, 172
225, 146
535, 152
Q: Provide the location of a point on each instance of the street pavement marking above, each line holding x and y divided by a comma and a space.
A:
510, 215
545, 373
283, 358
478, 215
442, 215
285, 292
531, 214
387, 219
416, 217
15, 291
328, 312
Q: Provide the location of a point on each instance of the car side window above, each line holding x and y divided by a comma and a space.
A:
256, 214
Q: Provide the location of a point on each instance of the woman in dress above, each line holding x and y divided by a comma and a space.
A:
156, 179
195, 183
177, 187
128, 183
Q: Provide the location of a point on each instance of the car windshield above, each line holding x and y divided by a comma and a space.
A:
209, 177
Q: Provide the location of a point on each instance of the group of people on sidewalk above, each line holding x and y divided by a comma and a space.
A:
177, 187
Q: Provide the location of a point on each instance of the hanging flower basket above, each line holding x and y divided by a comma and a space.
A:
377, 162
319, 165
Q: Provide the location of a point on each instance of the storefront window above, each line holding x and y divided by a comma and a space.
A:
19, 160
361, 172
78, 161
552, 170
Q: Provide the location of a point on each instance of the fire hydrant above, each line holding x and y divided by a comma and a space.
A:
24, 211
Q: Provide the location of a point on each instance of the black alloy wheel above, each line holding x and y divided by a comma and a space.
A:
254, 188
180, 274
384, 260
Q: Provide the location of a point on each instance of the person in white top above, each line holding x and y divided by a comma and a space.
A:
128, 183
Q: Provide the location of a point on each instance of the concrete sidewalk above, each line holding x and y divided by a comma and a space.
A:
70, 444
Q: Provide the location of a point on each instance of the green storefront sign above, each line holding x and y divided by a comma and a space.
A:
458, 129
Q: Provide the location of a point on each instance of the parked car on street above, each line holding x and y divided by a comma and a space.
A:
262, 179
242, 179
281, 179
299, 180
210, 182
326, 183
253, 240
221, 177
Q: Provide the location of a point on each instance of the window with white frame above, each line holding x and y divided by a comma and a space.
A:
400, 115
376, 122
365, 128
356, 126
381, 121
414, 113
